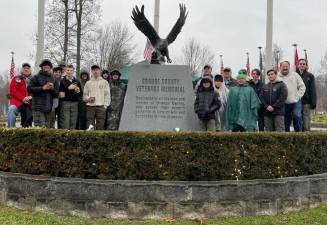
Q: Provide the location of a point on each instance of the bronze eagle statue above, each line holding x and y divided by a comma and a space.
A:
160, 45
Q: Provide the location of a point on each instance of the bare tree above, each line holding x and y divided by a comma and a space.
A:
59, 30
278, 53
4, 90
69, 28
196, 55
323, 65
321, 84
113, 46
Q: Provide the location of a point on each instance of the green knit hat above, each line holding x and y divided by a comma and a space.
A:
241, 74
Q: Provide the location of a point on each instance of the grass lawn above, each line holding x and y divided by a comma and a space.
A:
309, 217
319, 118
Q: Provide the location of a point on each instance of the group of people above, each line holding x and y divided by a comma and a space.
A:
55, 98
247, 103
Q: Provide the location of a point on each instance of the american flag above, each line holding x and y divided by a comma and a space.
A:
148, 51
221, 65
248, 70
12, 66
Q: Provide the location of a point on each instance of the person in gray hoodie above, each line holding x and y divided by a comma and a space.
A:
296, 89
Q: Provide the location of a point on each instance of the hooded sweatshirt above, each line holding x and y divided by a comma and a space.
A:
98, 88
295, 86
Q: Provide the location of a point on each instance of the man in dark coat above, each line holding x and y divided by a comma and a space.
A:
117, 93
43, 89
257, 85
273, 97
228, 79
70, 92
309, 99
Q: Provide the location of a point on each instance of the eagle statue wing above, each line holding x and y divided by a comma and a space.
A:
178, 25
143, 24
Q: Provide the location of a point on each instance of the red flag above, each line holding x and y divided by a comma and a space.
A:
12, 67
248, 70
221, 65
296, 58
148, 51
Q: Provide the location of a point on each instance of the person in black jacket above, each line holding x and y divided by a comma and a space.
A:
43, 89
273, 96
257, 85
81, 125
228, 79
70, 92
309, 99
206, 104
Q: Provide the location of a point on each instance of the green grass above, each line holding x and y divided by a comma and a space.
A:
309, 217
319, 118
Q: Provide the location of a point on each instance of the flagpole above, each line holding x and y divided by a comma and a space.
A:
305, 54
221, 65
40, 32
269, 35
156, 15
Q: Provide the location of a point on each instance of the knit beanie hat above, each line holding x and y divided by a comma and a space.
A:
219, 77
241, 74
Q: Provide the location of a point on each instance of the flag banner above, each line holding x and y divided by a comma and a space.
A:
296, 59
12, 67
306, 57
260, 61
248, 70
148, 51
276, 59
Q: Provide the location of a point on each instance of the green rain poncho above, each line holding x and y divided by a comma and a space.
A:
242, 108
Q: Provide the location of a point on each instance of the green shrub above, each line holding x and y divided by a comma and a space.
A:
162, 156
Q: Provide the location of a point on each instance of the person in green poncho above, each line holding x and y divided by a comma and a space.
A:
242, 106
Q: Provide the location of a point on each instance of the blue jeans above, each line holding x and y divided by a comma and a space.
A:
12, 114
293, 112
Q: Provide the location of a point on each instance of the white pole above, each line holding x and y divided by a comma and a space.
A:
156, 15
269, 35
40, 33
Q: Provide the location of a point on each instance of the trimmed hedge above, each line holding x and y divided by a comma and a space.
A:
162, 156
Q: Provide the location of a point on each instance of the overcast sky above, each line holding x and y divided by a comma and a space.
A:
227, 27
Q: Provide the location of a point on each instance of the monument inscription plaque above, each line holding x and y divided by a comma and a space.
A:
159, 98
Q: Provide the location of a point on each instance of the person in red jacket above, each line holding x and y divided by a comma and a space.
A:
20, 99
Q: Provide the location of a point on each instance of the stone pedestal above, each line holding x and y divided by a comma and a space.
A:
159, 98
